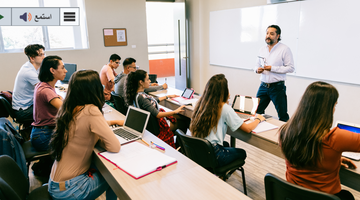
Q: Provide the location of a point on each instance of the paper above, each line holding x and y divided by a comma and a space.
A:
108, 32
264, 126
120, 35
138, 160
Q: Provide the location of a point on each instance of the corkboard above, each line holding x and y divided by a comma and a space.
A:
115, 37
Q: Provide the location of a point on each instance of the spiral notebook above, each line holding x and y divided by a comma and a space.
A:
138, 160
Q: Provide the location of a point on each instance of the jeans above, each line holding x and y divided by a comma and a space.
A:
24, 116
275, 93
40, 137
83, 186
226, 155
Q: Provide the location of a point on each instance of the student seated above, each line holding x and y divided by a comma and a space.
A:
107, 75
136, 83
129, 65
211, 117
25, 82
312, 150
46, 102
80, 125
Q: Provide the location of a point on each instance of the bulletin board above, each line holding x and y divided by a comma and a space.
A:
115, 37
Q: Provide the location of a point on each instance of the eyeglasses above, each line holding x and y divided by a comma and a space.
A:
117, 63
42, 54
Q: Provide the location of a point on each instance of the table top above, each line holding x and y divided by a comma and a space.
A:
183, 180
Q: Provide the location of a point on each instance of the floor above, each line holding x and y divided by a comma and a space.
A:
258, 164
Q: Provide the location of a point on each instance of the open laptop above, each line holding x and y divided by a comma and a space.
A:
245, 106
71, 68
134, 125
354, 128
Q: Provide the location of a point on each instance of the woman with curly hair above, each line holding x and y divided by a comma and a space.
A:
312, 150
135, 84
80, 125
212, 115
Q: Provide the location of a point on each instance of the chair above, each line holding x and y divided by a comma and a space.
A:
277, 188
31, 154
14, 185
152, 78
202, 152
120, 104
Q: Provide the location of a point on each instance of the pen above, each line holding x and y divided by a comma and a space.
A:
160, 147
145, 142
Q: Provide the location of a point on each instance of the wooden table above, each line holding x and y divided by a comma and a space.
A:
171, 104
183, 180
268, 141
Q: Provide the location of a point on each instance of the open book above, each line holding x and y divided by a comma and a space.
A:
138, 160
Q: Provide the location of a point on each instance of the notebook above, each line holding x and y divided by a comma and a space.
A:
138, 160
354, 128
134, 125
245, 106
71, 68
186, 97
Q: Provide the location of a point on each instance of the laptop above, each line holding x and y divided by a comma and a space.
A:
134, 125
354, 128
245, 106
71, 68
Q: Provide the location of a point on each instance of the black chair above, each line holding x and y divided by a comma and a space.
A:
277, 188
153, 78
31, 154
120, 104
15, 186
202, 152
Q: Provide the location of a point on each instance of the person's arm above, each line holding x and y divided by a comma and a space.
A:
100, 127
165, 114
288, 63
153, 88
56, 102
167, 97
115, 122
347, 163
247, 128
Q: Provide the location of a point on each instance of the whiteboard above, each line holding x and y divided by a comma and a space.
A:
322, 35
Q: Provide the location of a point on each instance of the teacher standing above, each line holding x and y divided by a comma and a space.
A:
274, 61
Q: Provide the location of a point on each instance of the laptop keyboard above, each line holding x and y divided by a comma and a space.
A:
352, 155
125, 134
242, 116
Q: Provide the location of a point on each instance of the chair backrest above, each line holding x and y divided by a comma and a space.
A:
13, 183
277, 188
120, 104
197, 149
152, 78
6, 105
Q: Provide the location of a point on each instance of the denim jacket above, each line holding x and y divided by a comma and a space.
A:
10, 146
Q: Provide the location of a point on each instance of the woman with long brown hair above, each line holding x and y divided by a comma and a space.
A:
312, 150
80, 125
212, 115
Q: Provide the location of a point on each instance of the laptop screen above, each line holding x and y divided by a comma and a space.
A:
71, 68
353, 128
136, 119
245, 104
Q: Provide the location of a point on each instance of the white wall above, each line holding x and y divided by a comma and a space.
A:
100, 14
245, 81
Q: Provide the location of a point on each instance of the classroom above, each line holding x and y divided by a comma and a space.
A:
131, 14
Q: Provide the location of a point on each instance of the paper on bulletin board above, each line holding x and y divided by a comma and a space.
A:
120, 35
108, 32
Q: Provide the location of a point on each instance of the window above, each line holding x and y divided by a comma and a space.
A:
16, 38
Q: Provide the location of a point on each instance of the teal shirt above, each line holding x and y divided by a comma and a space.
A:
228, 118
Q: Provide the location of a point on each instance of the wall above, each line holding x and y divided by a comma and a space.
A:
246, 82
100, 14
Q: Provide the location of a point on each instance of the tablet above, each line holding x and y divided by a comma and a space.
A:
188, 93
